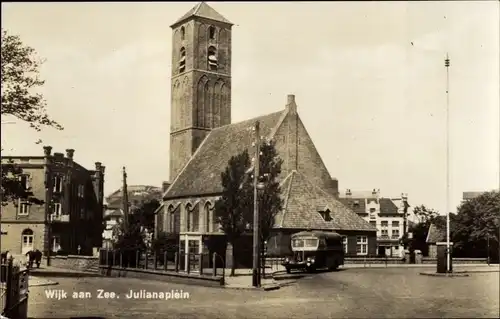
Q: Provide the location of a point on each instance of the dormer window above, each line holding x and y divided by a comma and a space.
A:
211, 32
325, 213
183, 33
182, 61
212, 59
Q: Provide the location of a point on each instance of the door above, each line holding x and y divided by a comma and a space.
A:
56, 243
27, 244
381, 251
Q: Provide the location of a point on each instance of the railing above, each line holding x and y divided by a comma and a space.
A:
202, 264
14, 290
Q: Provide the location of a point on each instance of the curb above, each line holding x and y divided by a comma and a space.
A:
51, 283
453, 274
269, 287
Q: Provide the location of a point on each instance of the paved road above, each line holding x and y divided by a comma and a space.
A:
351, 293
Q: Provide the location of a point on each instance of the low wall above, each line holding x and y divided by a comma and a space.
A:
76, 262
428, 260
373, 260
167, 276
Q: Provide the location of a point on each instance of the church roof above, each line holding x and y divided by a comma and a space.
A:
301, 197
201, 175
203, 10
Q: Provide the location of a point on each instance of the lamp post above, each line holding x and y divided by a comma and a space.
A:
256, 219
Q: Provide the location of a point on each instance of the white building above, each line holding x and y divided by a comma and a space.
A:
387, 214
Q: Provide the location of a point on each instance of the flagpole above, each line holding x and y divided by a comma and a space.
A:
448, 257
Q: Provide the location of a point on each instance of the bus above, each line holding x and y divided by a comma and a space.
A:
314, 250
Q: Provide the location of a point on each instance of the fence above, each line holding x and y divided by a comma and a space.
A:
203, 264
14, 290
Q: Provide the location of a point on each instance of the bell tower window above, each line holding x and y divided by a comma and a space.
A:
183, 33
211, 32
182, 61
212, 58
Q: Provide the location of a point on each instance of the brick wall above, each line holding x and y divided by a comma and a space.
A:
82, 263
13, 240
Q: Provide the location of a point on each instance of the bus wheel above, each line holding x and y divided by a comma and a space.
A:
288, 270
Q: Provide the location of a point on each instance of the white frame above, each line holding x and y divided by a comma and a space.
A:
345, 243
56, 209
393, 234
22, 204
27, 184
362, 241
23, 246
56, 179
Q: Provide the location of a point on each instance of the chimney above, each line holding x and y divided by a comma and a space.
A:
98, 166
290, 103
69, 153
376, 193
165, 185
47, 150
348, 193
103, 168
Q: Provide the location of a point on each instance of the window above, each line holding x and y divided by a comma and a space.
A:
395, 233
212, 58
361, 245
81, 191
373, 210
24, 208
171, 220
208, 219
305, 243
384, 223
56, 210
395, 224
56, 243
211, 32
25, 181
57, 183
385, 233
183, 33
344, 243
182, 61
373, 223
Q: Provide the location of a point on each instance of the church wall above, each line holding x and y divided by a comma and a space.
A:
298, 152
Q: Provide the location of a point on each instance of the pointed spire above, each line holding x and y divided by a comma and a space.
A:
202, 10
125, 198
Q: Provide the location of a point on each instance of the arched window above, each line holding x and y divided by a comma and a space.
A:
208, 217
189, 219
212, 58
182, 61
211, 32
27, 232
171, 219
183, 33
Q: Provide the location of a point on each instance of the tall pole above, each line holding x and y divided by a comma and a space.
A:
256, 238
448, 257
125, 200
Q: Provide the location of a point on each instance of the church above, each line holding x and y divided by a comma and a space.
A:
203, 139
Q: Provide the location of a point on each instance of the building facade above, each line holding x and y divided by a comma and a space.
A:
70, 220
386, 214
203, 140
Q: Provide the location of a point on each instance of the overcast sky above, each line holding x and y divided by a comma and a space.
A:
374, 104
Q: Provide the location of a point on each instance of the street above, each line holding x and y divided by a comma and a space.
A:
351, 293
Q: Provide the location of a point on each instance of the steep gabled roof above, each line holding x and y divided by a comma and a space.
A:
203, 10
301, 198
388, 207
358, 205
435, 234
201, 175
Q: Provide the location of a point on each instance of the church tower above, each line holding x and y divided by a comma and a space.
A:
201, 81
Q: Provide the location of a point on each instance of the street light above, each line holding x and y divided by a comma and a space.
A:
256, 219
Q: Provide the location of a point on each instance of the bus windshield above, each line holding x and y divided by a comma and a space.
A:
305, 243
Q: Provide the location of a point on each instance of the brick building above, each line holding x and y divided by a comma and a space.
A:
386, 214
203, 140
72, 213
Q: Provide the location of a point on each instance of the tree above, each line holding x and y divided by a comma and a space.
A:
426, 217
165, 243
144, 213
20, 77
232, 210
270, 202
476, 226
13, 187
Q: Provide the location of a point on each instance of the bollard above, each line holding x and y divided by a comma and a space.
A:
114, 258
176, 261
201, 264
165, 260
155, 260
137, 256
188, 263
214, 265
121, 259
146, 256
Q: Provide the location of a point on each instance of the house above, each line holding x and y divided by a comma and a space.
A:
436, 234
203, 139
71, 217
386, 214
113, 214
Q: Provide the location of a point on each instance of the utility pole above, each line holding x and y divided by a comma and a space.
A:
256, 226
405, 218
125, 201
448, 257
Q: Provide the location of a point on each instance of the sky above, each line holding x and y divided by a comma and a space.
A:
369, 81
